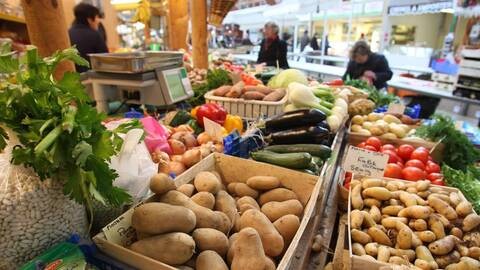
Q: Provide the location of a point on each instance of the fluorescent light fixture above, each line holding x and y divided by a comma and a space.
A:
447, 10
120, 2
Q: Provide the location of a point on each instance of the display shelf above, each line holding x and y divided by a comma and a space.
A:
468, 87
11, 18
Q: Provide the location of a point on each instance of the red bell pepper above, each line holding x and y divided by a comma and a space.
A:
336, 82
213, 112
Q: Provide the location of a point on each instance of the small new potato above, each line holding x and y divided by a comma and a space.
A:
443, 246
415, 211
372, 249
391, 119
379, 236
464, 208
379, 193
372, 182
357, 120
358, 249
364, 132
374, 116
426, 236
392, 210
404, 239
360, 237
470, 222
418, 224
383, 254
356, 219
356, 128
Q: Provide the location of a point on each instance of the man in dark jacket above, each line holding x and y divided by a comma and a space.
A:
272, 49
368, 66
84, 32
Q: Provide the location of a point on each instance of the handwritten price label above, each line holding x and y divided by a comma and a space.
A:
120, 231
396, 108
366, 163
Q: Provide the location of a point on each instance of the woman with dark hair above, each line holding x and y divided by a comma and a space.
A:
84, 32
368, 66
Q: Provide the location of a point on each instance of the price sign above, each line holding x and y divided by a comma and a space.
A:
366, 163
396, 108
120, 231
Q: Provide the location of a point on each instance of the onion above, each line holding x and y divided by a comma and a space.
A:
164, 167
161, 155
191, 157
203, 138
178, 148
177, 168
205, 151
184, 127
218, 148
177, 158
178, 135
189, 140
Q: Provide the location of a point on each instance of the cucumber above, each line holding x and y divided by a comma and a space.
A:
318, 150
317, 160
289, 160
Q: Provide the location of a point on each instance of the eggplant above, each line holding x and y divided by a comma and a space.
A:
293, 119
309, 134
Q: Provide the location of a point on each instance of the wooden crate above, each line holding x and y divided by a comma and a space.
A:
248, 109
359, 263
232, 169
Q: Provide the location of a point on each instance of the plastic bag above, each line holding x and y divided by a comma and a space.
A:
63, 256
157, 135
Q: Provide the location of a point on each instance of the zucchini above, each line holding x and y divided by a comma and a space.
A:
318, 160
289, 160
298, 118
318, 150
309, 134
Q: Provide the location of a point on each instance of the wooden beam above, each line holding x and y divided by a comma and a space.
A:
198, 12
47, 29
177, 21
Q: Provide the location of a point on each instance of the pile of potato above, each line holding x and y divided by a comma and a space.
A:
204, 225
414, 224
386, 126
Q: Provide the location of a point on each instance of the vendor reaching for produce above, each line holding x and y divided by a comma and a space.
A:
368, 66
272, 48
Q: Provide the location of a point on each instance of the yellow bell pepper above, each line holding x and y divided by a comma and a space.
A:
193, 112
233, 122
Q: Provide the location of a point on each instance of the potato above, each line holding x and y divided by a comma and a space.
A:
210, 260
226, 204
272, 240
357, 120
211, 239
426, 236
269, 264
263, 182
242, 189
398, 131
455, 198
379, 193
436, 226
186, 189
424, 265
356, 128
287, 226
398, 260
424, 194
356, 197
358, 249
356, 219
205, 199
415, 211
389, 136
443, 220
372, 182
170, 248
412, 190
206, 218
391, 119
443, 246
158, 218
418, 224
408, 199
231, 247
275, 210
248, 251
369, 202
464, 264
368, 220
160, 183
457, 232
423, 253
231, 188
277, 195
442, 207
391, 222
470, 222
207, 181
392, 210
474, 252
422, 185
383, 254
360, 237
445, 260
372, 249
462, 249
391, 186
415, 240
364, 131
379, 236
375, 214
464, 208
404, 253
372, 117
404, 239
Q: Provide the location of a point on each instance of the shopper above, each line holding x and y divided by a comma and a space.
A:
246, 40
304, 41
314, 42
84, 32
368, 66
273, 50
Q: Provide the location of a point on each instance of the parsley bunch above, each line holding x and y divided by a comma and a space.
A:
61, 135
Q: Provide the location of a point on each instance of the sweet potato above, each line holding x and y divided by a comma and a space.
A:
236, 90
248, 251
158, 218
226, 204
210, 260
186, 189
205, 199
287, 226
171, 248
272, 240
211, 239
443, 246
161, 183
379, 193
207, 181
275, 210
276, 95
263, 182
222, 90
253, 95
277, 195
258, 88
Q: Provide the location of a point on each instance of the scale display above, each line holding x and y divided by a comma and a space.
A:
177, 84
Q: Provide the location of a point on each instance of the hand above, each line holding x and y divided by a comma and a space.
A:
370, 74
367, 79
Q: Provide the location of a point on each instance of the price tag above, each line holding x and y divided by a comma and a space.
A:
366, 163
396, 108
213, 129
120, 231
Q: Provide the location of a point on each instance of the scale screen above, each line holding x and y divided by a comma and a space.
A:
175, 85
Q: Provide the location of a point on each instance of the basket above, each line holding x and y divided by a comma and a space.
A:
248, 109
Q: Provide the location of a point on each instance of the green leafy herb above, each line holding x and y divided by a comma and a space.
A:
380, 98
459, 152
215, 79
467, 182
61, 135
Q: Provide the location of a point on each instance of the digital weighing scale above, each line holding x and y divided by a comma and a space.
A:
150, 78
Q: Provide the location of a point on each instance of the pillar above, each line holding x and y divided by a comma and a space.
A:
177, 24
198, 13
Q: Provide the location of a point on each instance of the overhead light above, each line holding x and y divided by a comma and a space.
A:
447, 10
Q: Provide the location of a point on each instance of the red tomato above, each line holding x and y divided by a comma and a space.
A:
415, 163
393, 157
405, 150
393, 171
375, 142
348, 176
388, 147
399, 163
421, 153
346, 185
435, 176
370, 148
361, 145
438, 182
413, 174
430, 158
432, 167
336, 82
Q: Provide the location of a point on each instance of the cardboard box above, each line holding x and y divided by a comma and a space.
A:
119, 234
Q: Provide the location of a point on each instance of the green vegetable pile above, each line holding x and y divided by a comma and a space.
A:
61, 135
380, 98
459, 152
215, 79
468, 182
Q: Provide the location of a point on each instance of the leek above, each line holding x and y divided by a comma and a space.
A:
302, 96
